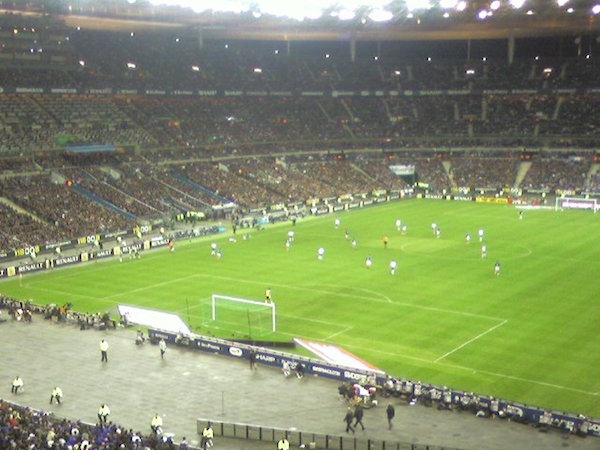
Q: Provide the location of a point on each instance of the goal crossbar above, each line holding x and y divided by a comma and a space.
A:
261, 305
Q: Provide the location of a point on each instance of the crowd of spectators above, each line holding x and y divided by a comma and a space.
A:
473, 171
189, 152
107, 192
476, 111
20, 230
27, 428
60, 208
214, 125
551, 172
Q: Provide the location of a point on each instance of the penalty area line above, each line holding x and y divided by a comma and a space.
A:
474, 370
464, 344
331, 336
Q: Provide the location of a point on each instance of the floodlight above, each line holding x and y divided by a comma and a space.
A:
570, 10
131, 65
413, 5
380, 15
410, 16
461, 6
495, 5
484, 58
312, 14
596, 9
517, 4
446, 15
195, 68
257, 70
482, 14
256, 14
530, 12
81, 62
346, 14
293, 10
448, 4
562, 3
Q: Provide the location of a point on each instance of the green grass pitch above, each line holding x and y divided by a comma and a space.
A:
528, 335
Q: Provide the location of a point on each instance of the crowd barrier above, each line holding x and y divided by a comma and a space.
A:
304, 439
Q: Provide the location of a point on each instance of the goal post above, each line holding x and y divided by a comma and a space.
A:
576, 203
245, 305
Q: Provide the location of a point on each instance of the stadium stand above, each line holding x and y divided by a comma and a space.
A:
182, 144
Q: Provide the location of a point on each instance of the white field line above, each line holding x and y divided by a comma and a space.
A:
383, 298
464, 344
469, 369
308, 319
58, 291
414, 358
339, 332
150, 286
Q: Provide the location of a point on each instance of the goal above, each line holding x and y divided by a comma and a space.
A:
241, 312
576, 203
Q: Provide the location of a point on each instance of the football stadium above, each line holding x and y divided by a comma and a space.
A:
395, 203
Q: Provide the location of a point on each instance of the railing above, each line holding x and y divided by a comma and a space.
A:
308, 440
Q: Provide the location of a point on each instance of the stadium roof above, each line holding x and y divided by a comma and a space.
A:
326, 20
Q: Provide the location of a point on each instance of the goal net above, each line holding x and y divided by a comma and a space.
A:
576, 203
241, 315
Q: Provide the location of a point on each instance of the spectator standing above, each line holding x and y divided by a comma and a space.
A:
390, 412
104, 350
252, 359
163, 348
183, 445
285, 368
140, 338
207, 437
17, 384
103, 414
57, 395
156, 424
358, 416
299, 370
283, 444
348, 419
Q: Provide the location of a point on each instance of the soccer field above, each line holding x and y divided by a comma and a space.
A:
527, 335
